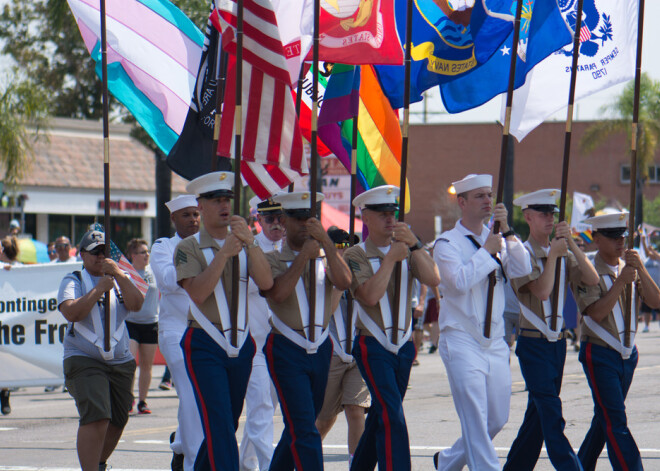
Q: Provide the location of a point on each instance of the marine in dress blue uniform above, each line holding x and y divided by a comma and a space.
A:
298, 349
218, 369
607, 361
541, 349
385, 360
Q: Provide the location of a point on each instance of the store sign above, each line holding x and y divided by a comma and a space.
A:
123, 205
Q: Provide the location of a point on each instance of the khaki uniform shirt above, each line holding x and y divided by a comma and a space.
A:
190, 261
587, 295
358, 261
539, 259
288, 311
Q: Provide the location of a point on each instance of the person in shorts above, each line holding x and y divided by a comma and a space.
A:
346, 390
99, 381
143, 325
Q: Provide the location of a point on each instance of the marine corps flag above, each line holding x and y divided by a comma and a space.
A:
354, 31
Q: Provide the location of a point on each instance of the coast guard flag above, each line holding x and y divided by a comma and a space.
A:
542, 32
608, 43
446, 43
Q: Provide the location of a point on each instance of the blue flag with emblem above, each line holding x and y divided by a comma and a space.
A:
447, 42
543, 30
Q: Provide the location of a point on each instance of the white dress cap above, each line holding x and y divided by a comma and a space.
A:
180, 202
297, 200
381, 198
212, 185
618, 220
472, 182
541, 200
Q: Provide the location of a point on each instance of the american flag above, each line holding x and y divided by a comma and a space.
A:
271, 133
124, 264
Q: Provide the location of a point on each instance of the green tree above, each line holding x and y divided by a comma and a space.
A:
648, 130
23, 109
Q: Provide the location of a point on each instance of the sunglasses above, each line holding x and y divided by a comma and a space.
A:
60, 246
96, 251
52, 252
269, 219
342, 245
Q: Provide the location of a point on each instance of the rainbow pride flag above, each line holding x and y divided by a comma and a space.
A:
379, 132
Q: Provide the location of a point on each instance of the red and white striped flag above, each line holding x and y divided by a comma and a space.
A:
267, 180
271, 133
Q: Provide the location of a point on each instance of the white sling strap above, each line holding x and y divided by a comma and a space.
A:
616, 343
339, 342
544, 325
96, 337
303, 307
223, 309
386, 313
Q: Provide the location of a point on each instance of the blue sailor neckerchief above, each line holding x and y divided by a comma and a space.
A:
303, 308
495, 257
96, 337
223, 308
616, 343
386, 312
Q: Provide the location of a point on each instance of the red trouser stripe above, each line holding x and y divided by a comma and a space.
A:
205, 416
379, 398
283, 404
608, 422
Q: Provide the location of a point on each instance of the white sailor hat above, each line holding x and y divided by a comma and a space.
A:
613, 225
180, 202
381, 198
297, 203
265, 206
544, 201
472, 182
212, 185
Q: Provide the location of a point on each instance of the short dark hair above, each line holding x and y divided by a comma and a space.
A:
132, 247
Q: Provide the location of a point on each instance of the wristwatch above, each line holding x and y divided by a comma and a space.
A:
508, 233
417, 246
253, 244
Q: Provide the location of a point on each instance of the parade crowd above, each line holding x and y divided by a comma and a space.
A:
318, 322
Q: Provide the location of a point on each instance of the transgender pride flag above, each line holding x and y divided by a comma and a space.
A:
153, 58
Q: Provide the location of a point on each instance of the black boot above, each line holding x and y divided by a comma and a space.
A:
4, 402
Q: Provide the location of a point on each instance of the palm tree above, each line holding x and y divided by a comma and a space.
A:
648, 130
23, 116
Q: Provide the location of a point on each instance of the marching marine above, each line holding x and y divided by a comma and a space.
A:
541, 349
384, 361
607, 361
298, 349
219, 370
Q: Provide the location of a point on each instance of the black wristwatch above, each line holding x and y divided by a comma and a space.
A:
508, 233
417, 246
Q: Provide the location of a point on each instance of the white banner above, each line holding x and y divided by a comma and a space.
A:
581, 204
608, 41
31, 327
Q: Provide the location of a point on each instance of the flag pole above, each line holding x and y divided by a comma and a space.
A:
567, 157
404, 166
633, 167
238, 122
314, 165
504, 149
106, 168
351, 230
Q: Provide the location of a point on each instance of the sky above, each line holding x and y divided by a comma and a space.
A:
585, 109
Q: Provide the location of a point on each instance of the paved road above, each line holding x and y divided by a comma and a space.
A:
40, 432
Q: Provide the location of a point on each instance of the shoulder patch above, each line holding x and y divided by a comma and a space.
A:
181, 257
355, 266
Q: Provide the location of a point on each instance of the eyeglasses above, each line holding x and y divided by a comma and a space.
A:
342, 245
269, 219
96, 251
61, 246
52, 252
